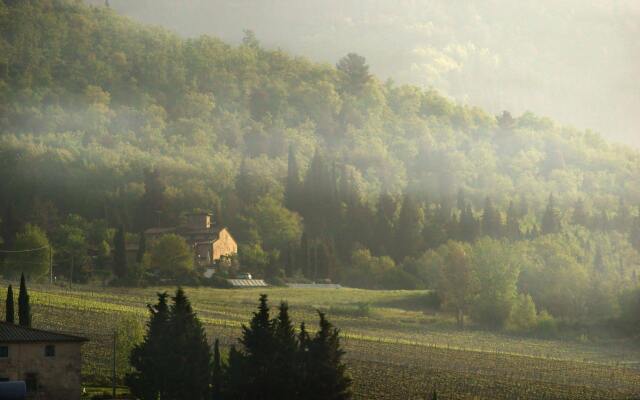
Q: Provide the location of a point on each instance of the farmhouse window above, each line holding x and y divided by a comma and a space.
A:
50, 350
4, 351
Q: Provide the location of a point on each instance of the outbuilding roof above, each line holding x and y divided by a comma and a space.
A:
12, 333
247, 282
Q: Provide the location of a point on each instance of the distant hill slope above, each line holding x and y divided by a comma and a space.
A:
89, 98
572, 60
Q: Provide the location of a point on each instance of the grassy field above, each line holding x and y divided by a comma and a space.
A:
395, 350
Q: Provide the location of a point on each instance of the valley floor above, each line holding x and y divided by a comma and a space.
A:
394, 350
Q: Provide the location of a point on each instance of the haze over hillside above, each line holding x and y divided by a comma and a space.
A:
571, 60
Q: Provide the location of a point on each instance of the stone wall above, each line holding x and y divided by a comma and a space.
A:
58, 377
225, 245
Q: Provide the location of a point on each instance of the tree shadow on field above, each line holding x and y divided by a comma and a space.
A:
427, 302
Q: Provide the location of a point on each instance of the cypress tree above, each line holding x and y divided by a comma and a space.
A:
634, 234
189, 353
408, 240
10, 228
254, 364
551, 218
9, 307
491, 220
384, 224
216, 373
580, 216
149, 359
142, 248
24, 308
285, 360
461, 202
153, 202
623, 217
435, 396
120, 254
292, 186
326, 373
468, 226
513, 225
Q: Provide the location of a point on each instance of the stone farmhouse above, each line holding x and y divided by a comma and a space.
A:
48, 362
209, 242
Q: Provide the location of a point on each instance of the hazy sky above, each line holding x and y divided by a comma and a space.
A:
577, 61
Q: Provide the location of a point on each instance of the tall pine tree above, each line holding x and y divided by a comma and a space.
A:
189, 353
10, 312
292, 185
286, 378
254, 363
512, 229
551, 218
142, 248
408, 238
120, 253
149, 359
491, 220
24, 308
217, 376
326, 373
580, 216
153, 203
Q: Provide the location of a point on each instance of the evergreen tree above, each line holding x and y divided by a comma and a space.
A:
580, 216
384, 225
216, 373
434, 233
491, 220
468, 226
513, 225
150, 360
10, 228
9, 307
354, 72
319, 198
292, 186
153, 203
461, 201
326, 374
119, 253
408, 238
142, 248
435, 395
602, 221
622, 222
551, 218
255, 362
286, 356
189, 353
326, 259
634, 235
24, 308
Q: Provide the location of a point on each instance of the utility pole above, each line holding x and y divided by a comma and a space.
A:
113, 370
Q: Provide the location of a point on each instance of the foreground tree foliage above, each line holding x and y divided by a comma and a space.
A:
173, 361
273, 363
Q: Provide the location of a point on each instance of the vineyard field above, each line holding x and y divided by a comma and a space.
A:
395, 350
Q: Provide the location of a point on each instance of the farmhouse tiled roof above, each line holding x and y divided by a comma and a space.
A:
11, 333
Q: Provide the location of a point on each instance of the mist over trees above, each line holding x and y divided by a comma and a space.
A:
321, 172
570, 60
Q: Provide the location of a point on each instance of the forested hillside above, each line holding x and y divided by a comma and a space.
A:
320, 171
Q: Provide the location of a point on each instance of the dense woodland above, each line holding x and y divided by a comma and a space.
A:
108, 127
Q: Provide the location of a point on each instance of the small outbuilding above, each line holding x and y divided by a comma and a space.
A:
48, 362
